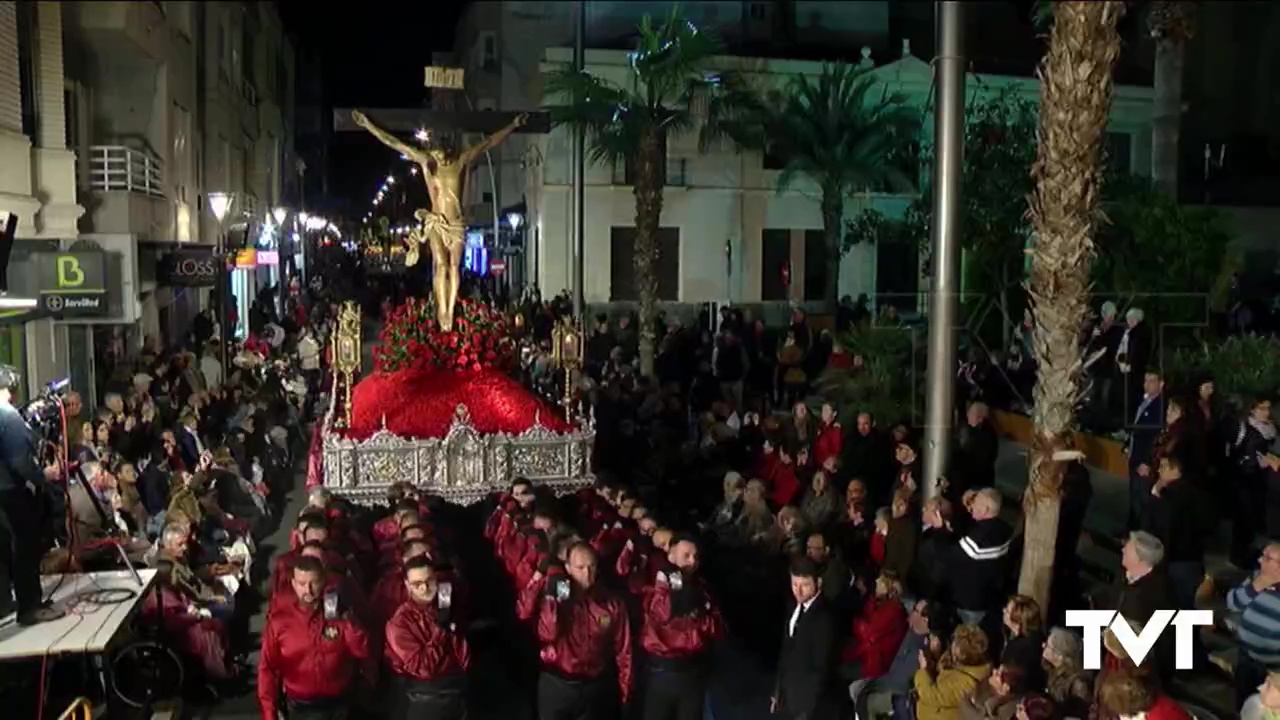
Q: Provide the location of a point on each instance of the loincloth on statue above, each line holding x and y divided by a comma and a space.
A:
451, 234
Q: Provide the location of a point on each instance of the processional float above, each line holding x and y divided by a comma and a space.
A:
463, 462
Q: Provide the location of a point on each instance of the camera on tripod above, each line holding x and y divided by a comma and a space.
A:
43, 413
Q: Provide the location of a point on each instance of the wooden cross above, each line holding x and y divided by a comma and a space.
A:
408, 121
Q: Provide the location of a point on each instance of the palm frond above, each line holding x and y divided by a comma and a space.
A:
604, 111
667, 73
669, 62
830, 128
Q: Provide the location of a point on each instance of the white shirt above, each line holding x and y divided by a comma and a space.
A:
309, 353
211, 368
795, 616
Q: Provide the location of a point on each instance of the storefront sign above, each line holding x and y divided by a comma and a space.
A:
268, 258
188, 268
246, 259
72, 284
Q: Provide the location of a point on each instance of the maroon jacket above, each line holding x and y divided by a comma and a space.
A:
638, 564
593, 512
310, 658
686, 632
422, 648
877, 633
581, 637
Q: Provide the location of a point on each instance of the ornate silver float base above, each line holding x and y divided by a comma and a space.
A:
462, 467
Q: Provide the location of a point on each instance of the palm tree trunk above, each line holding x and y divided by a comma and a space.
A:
832, 223
1166, 129
1170, 24
1075, 98
648, 193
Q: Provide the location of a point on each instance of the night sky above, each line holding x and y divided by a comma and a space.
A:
372, 55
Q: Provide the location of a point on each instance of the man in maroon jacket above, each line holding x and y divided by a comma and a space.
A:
312, 533
583, 629
679, 625
427, 656
313, 653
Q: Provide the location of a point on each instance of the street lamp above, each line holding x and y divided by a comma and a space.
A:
280, 214
514, 219
220, 204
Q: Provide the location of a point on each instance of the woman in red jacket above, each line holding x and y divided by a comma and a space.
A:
877, 632
829, 439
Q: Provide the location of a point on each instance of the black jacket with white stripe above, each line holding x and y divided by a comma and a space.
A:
979, 563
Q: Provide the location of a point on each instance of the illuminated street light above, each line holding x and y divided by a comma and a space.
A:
514, 219
280, 214
391, 179
422, 136
219, 205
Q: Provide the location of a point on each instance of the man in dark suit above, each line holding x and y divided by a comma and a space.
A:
808, 648
973, 459
1144, 430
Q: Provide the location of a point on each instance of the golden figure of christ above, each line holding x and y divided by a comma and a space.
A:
442, 227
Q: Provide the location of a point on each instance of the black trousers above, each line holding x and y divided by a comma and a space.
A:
675, 694
561, 699
412, 702
20, 549
322, 710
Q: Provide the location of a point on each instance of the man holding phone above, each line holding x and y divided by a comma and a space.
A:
427, 656
313, 653
583, 629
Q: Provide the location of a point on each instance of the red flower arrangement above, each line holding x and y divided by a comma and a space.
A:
423, 373
412, 339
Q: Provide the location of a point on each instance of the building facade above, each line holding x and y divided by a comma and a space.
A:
37, 173
726, 228
137, 111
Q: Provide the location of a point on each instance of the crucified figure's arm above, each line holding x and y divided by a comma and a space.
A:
385, 137
489, 143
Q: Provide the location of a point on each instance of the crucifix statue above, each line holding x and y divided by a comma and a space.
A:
442, 228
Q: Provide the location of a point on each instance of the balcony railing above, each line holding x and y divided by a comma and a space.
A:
120, 168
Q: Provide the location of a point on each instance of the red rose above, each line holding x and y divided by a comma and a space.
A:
490, 356
461, 361
475, 367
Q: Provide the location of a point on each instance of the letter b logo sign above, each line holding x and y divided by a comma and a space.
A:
69, 272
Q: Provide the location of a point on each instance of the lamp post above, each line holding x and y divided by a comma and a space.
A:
943, 291
567, 345
515, 220
220, 204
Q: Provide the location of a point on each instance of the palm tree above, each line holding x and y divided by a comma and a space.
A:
831, 128
1075, 98
1171, 23
631, 123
